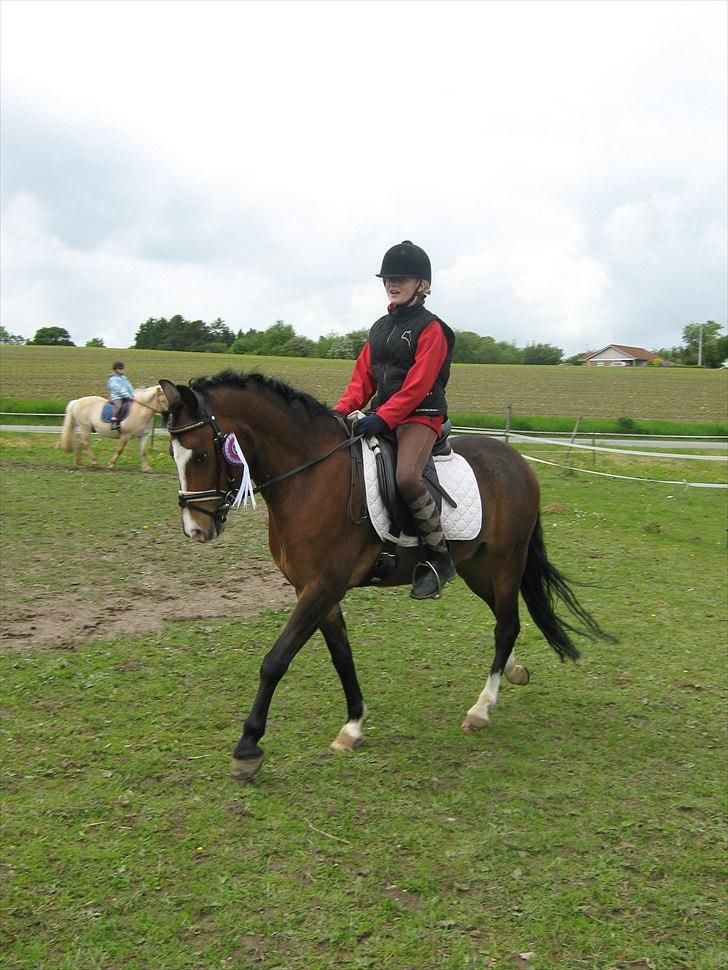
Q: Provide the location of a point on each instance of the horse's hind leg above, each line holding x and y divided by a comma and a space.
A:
333, 629
502, 598
83, 445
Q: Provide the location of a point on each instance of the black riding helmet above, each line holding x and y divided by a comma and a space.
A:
406, 259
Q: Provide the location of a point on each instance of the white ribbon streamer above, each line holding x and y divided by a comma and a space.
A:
245, 492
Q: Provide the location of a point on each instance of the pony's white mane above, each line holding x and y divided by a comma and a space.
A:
147, 394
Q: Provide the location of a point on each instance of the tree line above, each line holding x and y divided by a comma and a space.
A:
281, 340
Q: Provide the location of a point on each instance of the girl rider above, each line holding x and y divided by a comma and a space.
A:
405, 366
120, 389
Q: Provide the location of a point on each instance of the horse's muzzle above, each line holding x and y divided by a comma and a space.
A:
200, 534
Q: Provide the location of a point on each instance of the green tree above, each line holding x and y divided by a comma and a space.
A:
298, 346
177, 333
467, 345
220, 333
52, 337
541, 354
10, 338
718, 352
348, 346
275, 338
691, 339
247, 343
491, 351
95, 342
324, 344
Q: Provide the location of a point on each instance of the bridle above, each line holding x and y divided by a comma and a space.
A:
187, 499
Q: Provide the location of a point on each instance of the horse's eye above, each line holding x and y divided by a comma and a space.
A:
201, 456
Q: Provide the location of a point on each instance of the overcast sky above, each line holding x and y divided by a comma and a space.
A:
564, 164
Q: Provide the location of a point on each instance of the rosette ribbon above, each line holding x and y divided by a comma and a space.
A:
233, 455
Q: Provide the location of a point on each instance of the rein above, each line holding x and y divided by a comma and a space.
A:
219, 515
147, 406
348, 442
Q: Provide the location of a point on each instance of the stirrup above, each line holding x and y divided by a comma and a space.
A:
432, 581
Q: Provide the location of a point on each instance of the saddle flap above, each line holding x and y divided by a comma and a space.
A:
386, 458
107, 410
462, 520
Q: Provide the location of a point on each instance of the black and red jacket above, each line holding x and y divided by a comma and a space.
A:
406, 361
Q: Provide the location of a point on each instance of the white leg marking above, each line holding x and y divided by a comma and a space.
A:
350, 736
477, 716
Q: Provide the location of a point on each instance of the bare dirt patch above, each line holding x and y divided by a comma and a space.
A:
60, 621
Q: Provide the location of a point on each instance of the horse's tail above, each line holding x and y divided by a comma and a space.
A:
69, 429
542, 584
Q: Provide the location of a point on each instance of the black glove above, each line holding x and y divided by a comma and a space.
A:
372, 424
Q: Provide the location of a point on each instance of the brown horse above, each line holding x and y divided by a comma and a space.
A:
299, 458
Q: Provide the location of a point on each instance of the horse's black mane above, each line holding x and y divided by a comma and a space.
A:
253, 379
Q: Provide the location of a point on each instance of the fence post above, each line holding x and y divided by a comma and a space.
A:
509, 416
574, 433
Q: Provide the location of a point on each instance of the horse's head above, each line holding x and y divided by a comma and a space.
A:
159, 400
205, 487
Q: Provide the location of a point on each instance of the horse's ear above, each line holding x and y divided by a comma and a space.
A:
179, 394
171, 393
188, 396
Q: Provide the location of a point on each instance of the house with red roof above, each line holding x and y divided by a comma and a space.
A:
617, 355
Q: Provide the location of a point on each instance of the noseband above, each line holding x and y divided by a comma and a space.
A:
189, 499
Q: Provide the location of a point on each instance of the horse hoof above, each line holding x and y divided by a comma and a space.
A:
346, 742
474, 722
519, 675
243, 769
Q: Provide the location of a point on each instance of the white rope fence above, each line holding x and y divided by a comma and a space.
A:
627, 478
615, 451
531, 437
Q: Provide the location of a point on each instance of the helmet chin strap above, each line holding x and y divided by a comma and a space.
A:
417, 297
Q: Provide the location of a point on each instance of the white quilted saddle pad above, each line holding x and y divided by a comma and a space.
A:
456, 477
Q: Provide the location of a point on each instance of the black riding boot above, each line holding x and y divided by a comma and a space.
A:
436, 568
430, 575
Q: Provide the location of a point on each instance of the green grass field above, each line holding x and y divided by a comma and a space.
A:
585, 826
696, 396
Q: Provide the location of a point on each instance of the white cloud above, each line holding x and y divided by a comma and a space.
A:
564, 164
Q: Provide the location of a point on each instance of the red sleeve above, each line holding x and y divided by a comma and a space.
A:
430, 356
361, 386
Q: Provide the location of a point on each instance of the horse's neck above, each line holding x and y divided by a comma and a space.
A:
145, 395
279, 438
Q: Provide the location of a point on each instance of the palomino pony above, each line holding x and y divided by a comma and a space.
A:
85, 413
299, 458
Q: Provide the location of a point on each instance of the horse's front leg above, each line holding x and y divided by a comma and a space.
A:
143, 444
312, 607
333, 628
